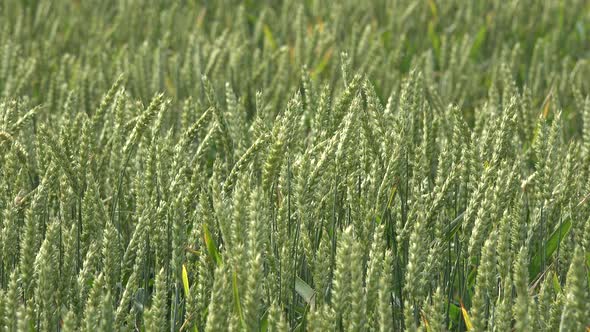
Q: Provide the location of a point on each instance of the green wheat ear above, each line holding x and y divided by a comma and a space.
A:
574, 315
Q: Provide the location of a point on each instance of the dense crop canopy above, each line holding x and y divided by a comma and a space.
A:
294, 165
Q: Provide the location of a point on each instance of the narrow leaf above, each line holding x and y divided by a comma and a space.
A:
211, 246
236, 294
306, 292
550, 247
185, 280
466, 318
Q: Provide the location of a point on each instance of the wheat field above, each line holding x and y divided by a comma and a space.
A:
313, 165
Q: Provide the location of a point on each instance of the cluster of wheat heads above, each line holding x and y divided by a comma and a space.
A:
294, 165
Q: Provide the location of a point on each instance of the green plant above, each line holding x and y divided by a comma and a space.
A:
294, 166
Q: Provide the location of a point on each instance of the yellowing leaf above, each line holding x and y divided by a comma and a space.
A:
323, 63
426, 324
269, 37
185, 280
433, 8
466, 318
170, 85
547, 103
211, 246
